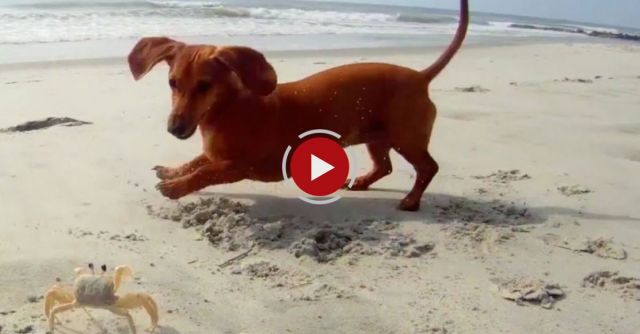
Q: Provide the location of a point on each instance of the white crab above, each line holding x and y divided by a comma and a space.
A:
92, 290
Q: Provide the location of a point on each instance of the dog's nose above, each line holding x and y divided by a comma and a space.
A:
177, 129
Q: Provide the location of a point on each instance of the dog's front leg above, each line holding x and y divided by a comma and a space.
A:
212, 173
168, 173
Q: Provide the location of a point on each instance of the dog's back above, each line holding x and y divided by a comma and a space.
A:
349, 98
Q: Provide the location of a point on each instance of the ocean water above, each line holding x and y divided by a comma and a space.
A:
62, 29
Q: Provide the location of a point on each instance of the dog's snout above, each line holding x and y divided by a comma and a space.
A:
181, 125
177, 129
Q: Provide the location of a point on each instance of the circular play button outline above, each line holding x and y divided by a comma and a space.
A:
318, 200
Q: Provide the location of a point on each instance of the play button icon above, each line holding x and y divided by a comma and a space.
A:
319, 166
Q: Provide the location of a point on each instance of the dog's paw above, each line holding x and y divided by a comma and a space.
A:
165, 173
360, 184
172, 189
409, 204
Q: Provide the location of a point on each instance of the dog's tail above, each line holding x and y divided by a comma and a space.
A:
437, 67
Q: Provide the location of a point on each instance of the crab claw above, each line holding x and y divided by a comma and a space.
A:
82, 271
120, 273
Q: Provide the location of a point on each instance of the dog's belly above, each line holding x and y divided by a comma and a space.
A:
249, 149
266, 171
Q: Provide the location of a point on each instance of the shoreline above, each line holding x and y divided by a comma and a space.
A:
328, 52
632, 37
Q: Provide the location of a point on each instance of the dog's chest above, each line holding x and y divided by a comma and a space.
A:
209, 144
218, 146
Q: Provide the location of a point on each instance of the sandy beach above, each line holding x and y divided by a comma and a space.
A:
539, 148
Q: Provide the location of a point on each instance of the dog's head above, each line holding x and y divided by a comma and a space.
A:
201, 76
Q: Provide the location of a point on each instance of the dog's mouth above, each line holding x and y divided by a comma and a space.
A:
187, 134
183, 130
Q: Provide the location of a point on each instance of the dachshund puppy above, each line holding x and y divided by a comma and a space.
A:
247, 119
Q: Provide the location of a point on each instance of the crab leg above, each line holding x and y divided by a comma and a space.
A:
136, 300
123, 312
89, 314
59, 309
56, 294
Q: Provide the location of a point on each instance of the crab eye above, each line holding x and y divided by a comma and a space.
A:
103, 267
172, 83
203, 86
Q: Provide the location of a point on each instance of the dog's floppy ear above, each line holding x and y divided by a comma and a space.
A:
149, 51
256, 74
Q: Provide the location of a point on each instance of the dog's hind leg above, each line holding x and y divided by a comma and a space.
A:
379, 153
168, 173
412, 143
426, 168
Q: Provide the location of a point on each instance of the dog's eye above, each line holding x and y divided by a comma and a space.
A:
172, 83
203, 86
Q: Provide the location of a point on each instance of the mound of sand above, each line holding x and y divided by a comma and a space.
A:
576, 80
228, 224
323, 245
262, 269
223, 222
472, 89
628, 287
504, 176
474, 237
277, 276
527, 291
601, 247
494, 212
574, 190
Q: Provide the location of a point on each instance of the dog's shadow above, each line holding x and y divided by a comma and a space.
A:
435, 208
362, 218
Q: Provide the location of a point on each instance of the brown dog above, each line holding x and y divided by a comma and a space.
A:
247, 120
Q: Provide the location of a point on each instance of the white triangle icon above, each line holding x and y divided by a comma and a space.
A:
319, 167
